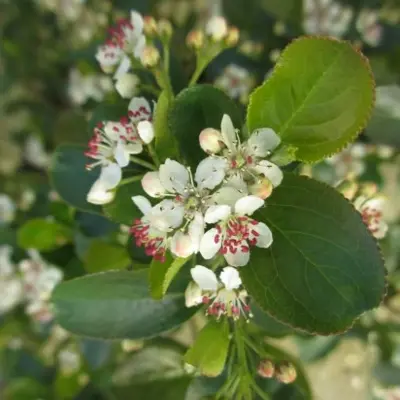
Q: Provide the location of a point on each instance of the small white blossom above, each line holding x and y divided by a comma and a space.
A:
35, 153
222, 297
7, 209
235, 232
368, 27
127, 85
217, 28
69, 360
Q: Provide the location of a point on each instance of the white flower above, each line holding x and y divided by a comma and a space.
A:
210, 140
99, 194
69, 361
235, 232
11, 293
326, 17
7, 209
368, 27
6, 264
245, 160
236, 81
222, 298
109, 56
217, 28
139, 113
371, 210
127, 85
35, 154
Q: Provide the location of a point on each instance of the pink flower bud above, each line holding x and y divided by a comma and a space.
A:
266, 369
286, 372
262, 188
211, 140
164, 28
150, 26
195, 39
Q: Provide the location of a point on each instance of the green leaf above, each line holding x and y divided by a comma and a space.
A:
323, 269
269, 325
117, 305
165, 144
43, 235
122, 209
25, 389
108, 112
71, 127
210, 350
162, 274
318, 98
384, 126
194, 109
70, 178
103, 256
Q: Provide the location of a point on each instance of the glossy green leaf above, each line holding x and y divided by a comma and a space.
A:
162, 274
103, 256
70, 178
269, 325
193, 110
210, 350
122, 209
318, 98
117, 305
42, 234
324, 268
384, 126
165, 143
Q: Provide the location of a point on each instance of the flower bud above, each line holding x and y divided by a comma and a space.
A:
145, 131
152, 185
232, 37
164, 28
286, 372
126, 85
266, 369
263, 188
211, 140
347, 188
150, 57
129, 345
217, 28
369, 189
150, 26
195, 39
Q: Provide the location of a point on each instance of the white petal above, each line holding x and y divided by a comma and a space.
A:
139, 109
121, 155
211, 140
134, 147
248, 204
227, 195
123, 67
137, 22
167, 215
205, 278
110, 175
193, 295
142, 204
174, 176
230, 278
264, 238
209, 245
151, 184
181, 245
262, 141
380, 229
228, 132
146, 131
270, 171
217, 213
196, 231
98, 194
113, 130
139, 47
240, 258
126, 85
375, 203
210, 172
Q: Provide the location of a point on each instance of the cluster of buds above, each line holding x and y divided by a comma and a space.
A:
216, 32
284, 372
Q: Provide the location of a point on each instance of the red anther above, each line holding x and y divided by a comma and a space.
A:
255, 233
205, 299
245, 249
216, 238
233, 164
249, 160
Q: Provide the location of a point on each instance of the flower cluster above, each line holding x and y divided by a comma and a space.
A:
227, 187
112, 145
30, 283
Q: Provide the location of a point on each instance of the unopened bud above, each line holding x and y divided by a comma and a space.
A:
164, 28
152, 185
150, 26
131, 345
263, 188
217, 28
347, 188
266, 369
369, 189
195, 39
279, 28
211, 140
233, 36
150, 57
286, 372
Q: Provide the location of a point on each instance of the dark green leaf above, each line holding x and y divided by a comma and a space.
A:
108, 112
193, 110
70, 178
269, 325
117, 305
318, 98
324, 268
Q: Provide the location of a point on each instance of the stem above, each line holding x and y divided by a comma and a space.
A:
130, 180
200, 66
153, 155
150, 89
143, 163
